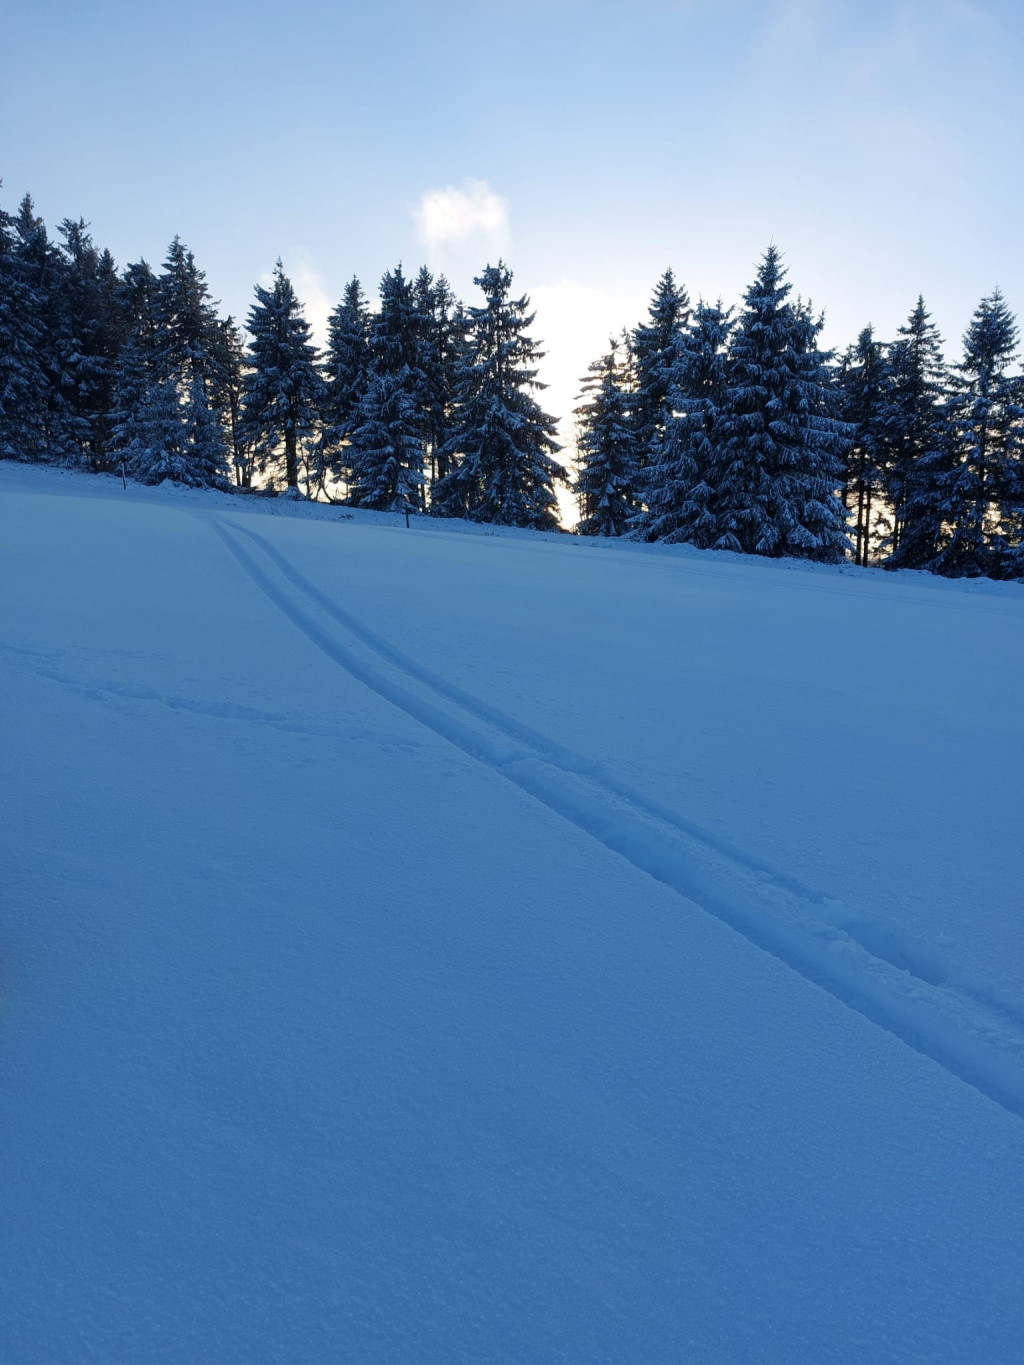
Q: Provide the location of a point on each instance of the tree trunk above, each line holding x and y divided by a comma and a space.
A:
291, 458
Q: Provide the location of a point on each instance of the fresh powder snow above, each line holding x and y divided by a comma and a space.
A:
453, 944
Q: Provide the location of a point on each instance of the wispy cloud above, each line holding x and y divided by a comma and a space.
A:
456, 215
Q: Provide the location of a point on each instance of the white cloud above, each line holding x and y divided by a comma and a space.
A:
456, 215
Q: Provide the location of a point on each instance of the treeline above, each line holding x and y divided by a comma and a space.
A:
734, 430
421, 405
726, 429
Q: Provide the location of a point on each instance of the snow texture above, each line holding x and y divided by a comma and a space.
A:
444, 944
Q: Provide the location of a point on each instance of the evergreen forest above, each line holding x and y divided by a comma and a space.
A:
722, 427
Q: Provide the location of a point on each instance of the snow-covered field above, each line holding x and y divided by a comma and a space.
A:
435, 946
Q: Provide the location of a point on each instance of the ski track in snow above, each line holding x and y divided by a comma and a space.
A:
895, 979
213, 710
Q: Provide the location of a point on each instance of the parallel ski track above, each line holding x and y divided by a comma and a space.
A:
975, 1037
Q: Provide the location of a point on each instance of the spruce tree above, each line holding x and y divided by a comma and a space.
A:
441, 337
657, 349
777, 466
158, 445
863, 381
1009, 562
918, 441
386, 455
226, 398
147, 430
346, 373
133, 380
204, 447
24, 383
155, 431
282, 388
73, 290
606, 475
189, 354
40, 268
680, 479
186, 322
395, 336
502, 442
86, 335
458, 344
988, 428
135, 370
135, 298
395, 329
110, 336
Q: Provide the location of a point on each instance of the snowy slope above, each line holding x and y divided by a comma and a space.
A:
431, 945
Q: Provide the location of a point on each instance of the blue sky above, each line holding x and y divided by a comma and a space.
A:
592, 144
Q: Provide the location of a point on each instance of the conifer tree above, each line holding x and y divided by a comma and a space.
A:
657, 349
40, 268
157, 433
226, 398
135, 368
189, 352
778, 444
679, 480
606, 475
1009, 561
441, 338
24, 382
988, 427
346, 373
72, 288
204, 448
396, 328
395, 335
86, 335
186, 322
863, 381
136, 302
502, 442
147, 431
110, 335
386, 458
157, 448
282, 388
133, 380
917, 441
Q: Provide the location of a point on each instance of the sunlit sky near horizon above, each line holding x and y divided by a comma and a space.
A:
590, 144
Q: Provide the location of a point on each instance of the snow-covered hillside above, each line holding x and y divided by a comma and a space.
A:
431, 945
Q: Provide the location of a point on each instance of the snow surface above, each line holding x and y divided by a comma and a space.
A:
439, 945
